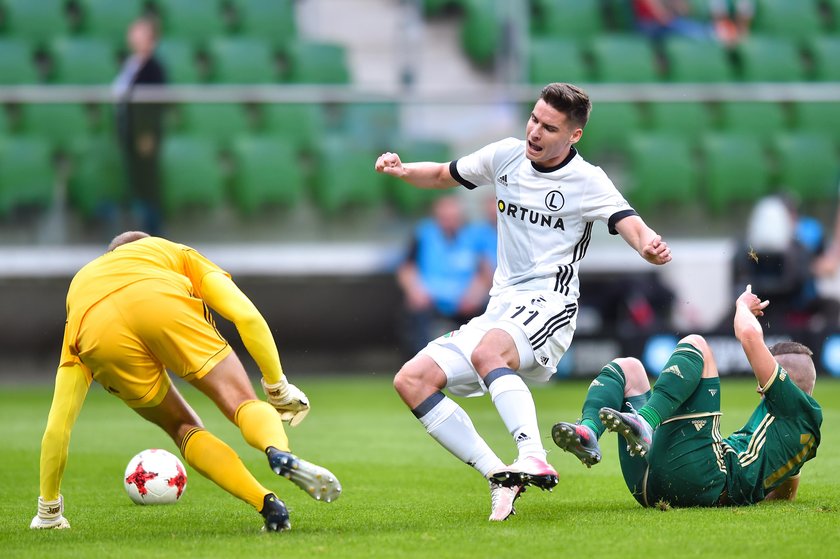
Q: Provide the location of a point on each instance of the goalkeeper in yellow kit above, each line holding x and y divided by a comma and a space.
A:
143, 308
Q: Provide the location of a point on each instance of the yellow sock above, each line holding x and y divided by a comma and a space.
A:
261, 425
218, 462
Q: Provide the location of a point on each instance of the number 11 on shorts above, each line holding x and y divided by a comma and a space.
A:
520, 309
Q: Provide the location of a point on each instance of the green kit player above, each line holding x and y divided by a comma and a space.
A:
674, 451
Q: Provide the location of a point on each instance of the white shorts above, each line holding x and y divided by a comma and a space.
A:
541, 324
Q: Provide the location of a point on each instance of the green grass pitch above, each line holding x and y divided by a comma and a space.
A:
403, 495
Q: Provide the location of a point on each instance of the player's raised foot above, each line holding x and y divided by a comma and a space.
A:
275, 514
527, 471
578, 439
318, 482
502, 499
631, 426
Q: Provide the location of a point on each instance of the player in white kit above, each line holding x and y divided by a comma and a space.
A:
548, 198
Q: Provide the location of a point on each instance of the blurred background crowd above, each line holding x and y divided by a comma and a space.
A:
249, 128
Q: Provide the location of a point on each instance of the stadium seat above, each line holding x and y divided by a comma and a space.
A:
619, 14
62, 125
219, 122
756, 119
269, 20
195, 21
735, 170
808, 165
17, 65
481, 31
623, 59
783, 18
27, 178
345, 176
108, 20
191, 176
37, 21
178, 59
609, 127
697, 61
566, 18
244, 61
685, 120
372, 125
97, 182
555, 60
434, 7
821, 118
81, 61
662, 171
770, 59
299, 123
317, 63
407, 199
267, 172
825, 52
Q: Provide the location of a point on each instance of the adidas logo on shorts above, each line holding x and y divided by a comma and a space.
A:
699, 423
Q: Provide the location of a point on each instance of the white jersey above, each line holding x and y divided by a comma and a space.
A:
545, 214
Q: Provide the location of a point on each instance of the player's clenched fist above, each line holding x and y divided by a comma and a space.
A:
657, 251
390, 164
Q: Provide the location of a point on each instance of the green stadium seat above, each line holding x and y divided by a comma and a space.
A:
108, 20
62, 125
697, 61
218, 122
609, 127
299, 123
37, 21
372, 125
267, 172
178, 58
808, 165
269, 20
624, 59
770, 59
17, 65
783, 18
566, 18
407, 199
434, 7
686, 120
345, 176
191, 175
317, 63
97, 182
821, 118
27, 178
555, 60
735, 170
825, 52
662, 171
242, 60
833, 7
82, 61
481, 31
756, 119
191, 20
619, 14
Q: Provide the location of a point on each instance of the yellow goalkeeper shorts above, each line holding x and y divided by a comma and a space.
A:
131, 337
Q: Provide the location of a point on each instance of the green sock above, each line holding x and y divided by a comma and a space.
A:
678, 381
607, 390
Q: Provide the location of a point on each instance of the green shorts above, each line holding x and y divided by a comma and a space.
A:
685, 466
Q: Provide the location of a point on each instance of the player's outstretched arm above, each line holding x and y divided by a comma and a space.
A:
228, 300
748, 306
422, 175
644, 240
71, 386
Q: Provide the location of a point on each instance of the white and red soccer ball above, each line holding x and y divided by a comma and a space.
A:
155, 477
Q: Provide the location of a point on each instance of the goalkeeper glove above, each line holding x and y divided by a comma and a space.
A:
50, 515
289, 401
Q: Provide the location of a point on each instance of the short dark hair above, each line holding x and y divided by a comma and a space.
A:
795, 358
125, 238
786, 348
568, 99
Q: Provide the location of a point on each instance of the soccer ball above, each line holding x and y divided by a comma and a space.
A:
155, 477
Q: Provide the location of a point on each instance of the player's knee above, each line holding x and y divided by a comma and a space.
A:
485, 357
408, 379
697, 341
635, 376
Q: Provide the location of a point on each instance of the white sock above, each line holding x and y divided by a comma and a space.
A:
515, 404
450, 425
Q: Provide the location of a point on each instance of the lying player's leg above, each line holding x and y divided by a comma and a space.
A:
212, 458
227, 384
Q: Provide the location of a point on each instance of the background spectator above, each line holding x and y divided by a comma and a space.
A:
659, 18
732, 19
